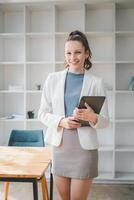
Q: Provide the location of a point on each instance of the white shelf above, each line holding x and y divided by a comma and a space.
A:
39, 62
126, 71
11, 35
106, 148
97, 45
11, 92
12, 19
105, 163
39, 48
99, 17
124, 91
126, 176
124, 165
39, 18
125, 62
32, 38
124, 148
11, 49
122, 120
34, 91
12, 120
104, 176
125, 33
126, 53
12, 63
64, 22
124, 17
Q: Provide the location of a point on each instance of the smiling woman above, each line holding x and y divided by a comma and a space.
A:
75, 148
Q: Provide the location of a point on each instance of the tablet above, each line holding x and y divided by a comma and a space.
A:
95, 102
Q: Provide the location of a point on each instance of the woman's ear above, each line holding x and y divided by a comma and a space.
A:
87, 54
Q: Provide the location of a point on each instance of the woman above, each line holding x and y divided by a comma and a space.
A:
74, 147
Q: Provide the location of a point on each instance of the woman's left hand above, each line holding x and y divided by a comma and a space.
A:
86, 114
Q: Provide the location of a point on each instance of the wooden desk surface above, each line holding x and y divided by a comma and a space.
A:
24, 162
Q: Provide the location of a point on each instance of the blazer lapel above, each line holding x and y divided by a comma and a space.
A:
87, 82
61, 91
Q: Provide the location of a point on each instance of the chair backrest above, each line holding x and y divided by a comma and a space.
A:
26, 138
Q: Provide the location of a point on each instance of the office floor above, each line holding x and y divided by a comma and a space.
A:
21, 191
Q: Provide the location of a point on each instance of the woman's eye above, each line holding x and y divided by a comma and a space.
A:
78, 52
68, 53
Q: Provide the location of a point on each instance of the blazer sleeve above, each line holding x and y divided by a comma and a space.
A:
103, 117
45, 113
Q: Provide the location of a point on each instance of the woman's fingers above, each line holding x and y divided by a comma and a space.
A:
72, 123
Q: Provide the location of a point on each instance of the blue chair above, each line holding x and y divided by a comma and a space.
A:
28, 138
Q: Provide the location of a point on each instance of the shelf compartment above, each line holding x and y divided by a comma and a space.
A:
11, 49
124, 17
124, 176
59, 47
7, 128
36, 75
39, 18
105, 176
105, 165
99, 17
124, 165
99, 69
34, 125
33, 103
66, 15
106, 138
11, 19
11, 104
59, 67
124, 54
11, 75
126, 71
39, 48
124, 106
101, 52
124, 136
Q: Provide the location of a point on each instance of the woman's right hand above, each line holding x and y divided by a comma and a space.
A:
69, 123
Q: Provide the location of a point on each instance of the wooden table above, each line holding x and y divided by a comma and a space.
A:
25, 164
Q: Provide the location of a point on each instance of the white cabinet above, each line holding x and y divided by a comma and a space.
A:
32, 38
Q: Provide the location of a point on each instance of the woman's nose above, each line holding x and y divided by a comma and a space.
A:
73, 57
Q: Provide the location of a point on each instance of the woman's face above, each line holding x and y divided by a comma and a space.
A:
75, 54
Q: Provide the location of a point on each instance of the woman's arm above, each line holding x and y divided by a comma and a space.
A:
97, 121
45, 114
103, 117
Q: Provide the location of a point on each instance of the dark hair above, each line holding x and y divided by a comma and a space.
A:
81, 37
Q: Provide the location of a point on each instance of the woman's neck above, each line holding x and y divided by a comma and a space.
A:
76, 71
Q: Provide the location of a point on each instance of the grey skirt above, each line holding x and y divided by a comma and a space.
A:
71, 160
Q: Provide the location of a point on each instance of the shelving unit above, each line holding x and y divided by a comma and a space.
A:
32, 38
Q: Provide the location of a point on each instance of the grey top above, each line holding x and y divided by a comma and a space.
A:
72, 90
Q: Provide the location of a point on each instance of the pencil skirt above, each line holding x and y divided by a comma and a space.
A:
71, 160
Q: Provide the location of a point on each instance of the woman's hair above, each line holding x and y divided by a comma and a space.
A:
81, 37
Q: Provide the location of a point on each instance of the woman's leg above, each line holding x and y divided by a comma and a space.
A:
63, 186
80, 188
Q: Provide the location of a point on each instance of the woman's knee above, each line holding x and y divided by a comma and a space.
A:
63, 186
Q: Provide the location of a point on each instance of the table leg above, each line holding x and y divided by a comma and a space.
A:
44, 188
6, 189
51, 186
35, 189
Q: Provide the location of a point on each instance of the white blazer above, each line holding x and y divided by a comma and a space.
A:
51, 109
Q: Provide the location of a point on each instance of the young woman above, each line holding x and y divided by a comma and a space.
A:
74, 147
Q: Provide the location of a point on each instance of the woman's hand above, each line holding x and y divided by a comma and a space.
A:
86, 114
69, 123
